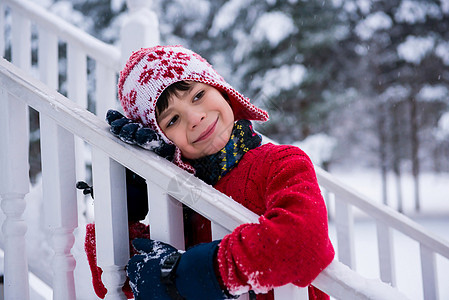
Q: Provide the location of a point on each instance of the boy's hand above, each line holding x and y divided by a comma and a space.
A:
162, 272
134, 133
144, 269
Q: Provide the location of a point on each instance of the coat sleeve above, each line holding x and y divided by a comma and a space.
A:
290, 244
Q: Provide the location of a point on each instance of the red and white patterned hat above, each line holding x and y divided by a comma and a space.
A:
149, 71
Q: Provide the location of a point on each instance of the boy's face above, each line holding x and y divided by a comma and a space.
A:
199, 121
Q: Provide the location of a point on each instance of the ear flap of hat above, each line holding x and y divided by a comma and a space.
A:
243, 109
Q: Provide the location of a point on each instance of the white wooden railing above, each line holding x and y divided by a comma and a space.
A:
165, 181
66, 126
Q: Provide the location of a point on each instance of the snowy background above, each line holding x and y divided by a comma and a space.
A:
360, 85
371, 75
434, 218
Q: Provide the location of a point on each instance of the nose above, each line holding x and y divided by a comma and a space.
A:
195, 118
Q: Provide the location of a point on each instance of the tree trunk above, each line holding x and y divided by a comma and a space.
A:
383, 158
414, 139
397, 174
396, 144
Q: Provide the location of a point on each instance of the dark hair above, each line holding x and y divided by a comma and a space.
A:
162, 101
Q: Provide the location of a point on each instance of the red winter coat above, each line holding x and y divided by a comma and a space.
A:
291, 243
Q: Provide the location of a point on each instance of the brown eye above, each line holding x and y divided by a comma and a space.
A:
198, 96
172, 121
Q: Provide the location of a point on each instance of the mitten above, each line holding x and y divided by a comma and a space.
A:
134, 133
163, 272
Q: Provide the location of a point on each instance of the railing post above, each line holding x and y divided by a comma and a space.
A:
105, 90
429, 274
218, 231
344, 223
21, 41
140, 29
386, 253
165, 215
60, 205
48, 58
289, 291
111, 222
77, 92
2, 31
14, 185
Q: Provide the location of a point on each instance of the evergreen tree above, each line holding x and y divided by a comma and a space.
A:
360, 71
401, 41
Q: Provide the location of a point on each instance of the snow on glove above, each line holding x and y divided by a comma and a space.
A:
134, 133
162, 272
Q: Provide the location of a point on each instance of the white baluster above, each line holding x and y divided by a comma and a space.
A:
21, 41
429, 274
105, 90
290, 291
344, 223
111, 222
165, 216
386, 254
2, 29
60, 206
77, 92
14, 185
76, 75
48, 57
58, 165
140, 28
218, 231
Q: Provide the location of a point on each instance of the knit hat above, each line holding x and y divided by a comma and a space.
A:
149, 71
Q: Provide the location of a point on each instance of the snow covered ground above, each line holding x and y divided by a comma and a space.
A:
434, 217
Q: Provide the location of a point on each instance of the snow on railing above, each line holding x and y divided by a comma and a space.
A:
167, 185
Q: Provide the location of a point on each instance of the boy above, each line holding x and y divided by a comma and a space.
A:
176, 93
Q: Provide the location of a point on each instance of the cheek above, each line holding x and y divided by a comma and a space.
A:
174, 137
171, 134
229, 116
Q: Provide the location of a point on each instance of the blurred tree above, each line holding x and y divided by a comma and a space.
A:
284, 55
372, 74
400, 39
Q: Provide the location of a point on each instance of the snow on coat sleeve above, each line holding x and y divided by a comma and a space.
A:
291, 243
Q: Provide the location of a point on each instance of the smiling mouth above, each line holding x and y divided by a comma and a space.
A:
206, 133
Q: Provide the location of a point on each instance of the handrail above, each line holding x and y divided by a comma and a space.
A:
380, 212
384, 213
210, 203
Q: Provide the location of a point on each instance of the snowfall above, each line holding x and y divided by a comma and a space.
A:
434, 217
434, 214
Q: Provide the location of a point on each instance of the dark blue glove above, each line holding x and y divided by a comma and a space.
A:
134, 133
161, 272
